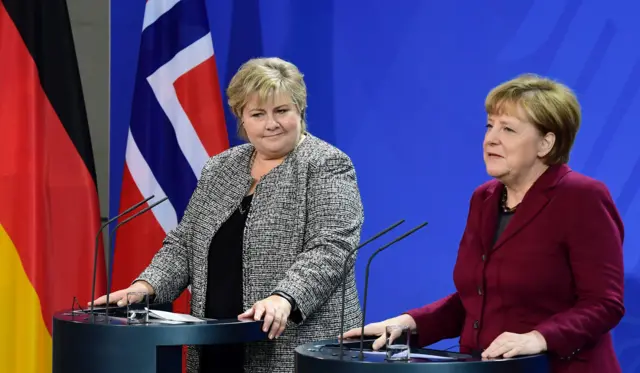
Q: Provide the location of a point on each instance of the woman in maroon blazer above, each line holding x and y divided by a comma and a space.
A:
539, 267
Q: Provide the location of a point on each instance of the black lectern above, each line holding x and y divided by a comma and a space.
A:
80, 345
324, 356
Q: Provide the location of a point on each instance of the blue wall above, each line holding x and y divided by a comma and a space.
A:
400, 87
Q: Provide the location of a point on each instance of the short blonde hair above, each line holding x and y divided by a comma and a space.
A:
266, 77
547, 104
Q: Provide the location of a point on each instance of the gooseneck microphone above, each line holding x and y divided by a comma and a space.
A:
125, 221
345, 272
366, 281
95, 249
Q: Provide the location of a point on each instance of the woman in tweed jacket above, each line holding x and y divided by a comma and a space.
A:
279, 215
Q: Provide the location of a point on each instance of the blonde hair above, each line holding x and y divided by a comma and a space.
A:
547, 104
266, 77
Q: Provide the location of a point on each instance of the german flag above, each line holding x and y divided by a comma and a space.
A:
49, 213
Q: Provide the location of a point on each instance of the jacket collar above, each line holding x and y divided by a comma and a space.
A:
533, 202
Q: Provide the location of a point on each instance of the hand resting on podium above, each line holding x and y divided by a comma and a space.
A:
275, 311
506, 345
119, 296
377, 329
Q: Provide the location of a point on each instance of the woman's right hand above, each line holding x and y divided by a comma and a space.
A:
377, 329
119, 296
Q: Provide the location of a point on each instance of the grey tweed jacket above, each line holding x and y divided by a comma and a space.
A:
306, 215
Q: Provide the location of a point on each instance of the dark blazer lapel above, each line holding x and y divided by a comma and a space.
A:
490, 214
531, 205
534, 201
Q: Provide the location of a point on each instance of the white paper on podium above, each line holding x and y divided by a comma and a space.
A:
414, 355
171, 316
161, 321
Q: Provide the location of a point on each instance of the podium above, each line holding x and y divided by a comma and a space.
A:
324, 356
81, 345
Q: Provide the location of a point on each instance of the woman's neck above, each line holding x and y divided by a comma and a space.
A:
517, 189
262, 164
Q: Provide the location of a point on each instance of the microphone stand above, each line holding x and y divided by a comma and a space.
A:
366, 282
111, 240
95, 250
345, 273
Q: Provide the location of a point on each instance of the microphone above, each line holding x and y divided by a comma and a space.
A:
125, 221
95, 249
366, 281
345, 273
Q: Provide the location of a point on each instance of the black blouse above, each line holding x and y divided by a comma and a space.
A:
224, 290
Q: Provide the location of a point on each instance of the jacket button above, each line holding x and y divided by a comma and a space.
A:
484, 257
479, 290
476, 324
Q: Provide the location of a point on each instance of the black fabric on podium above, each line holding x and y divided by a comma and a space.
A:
224, 290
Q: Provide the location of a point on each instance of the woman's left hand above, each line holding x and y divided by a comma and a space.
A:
512, 344
275, 310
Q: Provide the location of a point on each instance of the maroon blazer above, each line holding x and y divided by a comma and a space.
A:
557, 268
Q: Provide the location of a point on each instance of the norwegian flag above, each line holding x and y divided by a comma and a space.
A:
177, 123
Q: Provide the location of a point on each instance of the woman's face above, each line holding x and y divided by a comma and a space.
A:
274, 126
513, 147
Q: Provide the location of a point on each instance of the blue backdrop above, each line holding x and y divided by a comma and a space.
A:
400, 88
